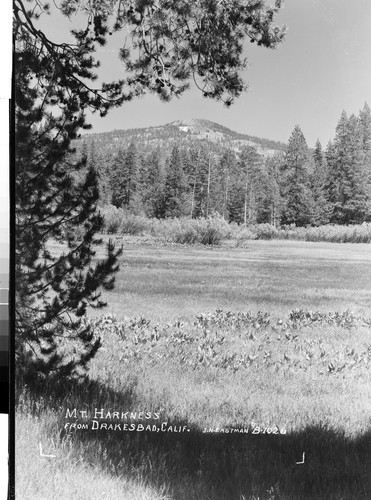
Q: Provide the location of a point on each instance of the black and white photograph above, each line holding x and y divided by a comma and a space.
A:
192, 265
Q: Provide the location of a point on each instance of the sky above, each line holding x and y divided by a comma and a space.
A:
322, 68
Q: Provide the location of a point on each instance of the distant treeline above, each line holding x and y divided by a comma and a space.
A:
198, 179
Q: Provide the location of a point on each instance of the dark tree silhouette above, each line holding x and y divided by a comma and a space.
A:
347, 174
295, 186
55, 202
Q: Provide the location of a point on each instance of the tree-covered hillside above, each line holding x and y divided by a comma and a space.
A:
186, 132
196, 169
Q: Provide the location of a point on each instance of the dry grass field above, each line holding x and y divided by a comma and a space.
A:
167, 282
226, 365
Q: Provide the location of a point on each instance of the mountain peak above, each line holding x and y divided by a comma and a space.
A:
196, 129
204, 129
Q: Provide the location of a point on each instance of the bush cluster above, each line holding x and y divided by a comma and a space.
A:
214, 229
120, 221
331, 233
210, 231
334, 233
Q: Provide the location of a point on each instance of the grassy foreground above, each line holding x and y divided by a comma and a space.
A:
237, 396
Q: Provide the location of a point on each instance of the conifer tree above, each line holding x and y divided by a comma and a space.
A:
250, 185
194, 173
274, 202
358, 205
192, 170
331, 185
222, 182
175, 187
56, 200
206, 46
153, 179
125, 178
295, 187
347, 179
200, 175
365, 131
318, 184
102, 163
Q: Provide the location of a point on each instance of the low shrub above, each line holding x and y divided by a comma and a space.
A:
214, 229
265, 232
210, 231
333, 233
112, 219
184, 233
243, 236
256, 232
134, 224
120, 221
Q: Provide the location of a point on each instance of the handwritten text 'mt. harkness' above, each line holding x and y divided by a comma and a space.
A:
101, 419
102, 414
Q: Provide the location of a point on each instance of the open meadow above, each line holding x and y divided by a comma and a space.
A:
170, 282
228, 367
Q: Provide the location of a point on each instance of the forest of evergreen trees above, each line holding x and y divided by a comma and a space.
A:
197, 179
